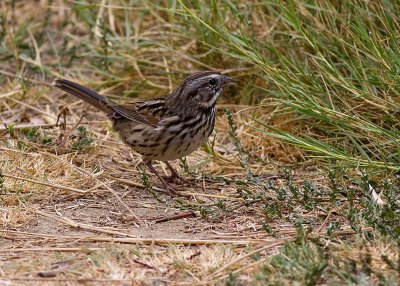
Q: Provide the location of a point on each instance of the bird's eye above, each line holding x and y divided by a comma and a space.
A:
213, 81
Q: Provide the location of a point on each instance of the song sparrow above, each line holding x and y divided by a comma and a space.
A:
165, 128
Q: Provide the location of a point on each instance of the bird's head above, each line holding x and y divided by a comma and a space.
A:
201, 89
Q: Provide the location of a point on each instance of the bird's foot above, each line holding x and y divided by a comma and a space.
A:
175, 178
171, 191
165, 184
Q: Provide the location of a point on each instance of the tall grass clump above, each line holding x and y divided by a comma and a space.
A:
335, 64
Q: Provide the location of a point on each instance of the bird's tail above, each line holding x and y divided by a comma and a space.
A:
86, 94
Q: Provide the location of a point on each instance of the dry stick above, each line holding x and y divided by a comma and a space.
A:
148, 241
124, 240
34, 108
10, 93
45, 184
66, 137
336, 209
63, 110
124, 181
57, 268
128, 238
175, 217
66, 279
28, 126
148, 266
60, 249
74, 224
10, 74
151, 241
20, 233
213, 196
45, 125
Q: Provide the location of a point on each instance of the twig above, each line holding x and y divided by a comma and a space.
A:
63, 112
2, 128
175, 217
213, 196
45, 125
45, 184
151, 241
108, 280
10, 93
143, 264
10, 74
197, 253
56, 268
34, 108
58, 249
74, 224
127, 240
336, 209
124, 181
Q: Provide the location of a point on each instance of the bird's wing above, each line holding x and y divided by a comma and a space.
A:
130, 112
146, 112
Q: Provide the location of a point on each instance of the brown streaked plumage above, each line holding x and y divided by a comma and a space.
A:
165, 128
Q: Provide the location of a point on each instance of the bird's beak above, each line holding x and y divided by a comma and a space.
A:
227, 80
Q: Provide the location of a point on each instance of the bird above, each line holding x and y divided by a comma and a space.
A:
165, 128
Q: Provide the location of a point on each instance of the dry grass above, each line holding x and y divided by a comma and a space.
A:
75, 207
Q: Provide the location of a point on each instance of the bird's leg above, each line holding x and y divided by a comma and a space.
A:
174, 175
154, 171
